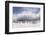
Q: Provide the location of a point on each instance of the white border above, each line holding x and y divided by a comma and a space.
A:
11, 5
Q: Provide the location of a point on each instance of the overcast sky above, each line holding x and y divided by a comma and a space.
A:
25, 10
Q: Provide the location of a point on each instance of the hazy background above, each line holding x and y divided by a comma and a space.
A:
26, 17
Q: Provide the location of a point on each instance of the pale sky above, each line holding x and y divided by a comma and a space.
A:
27, 11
